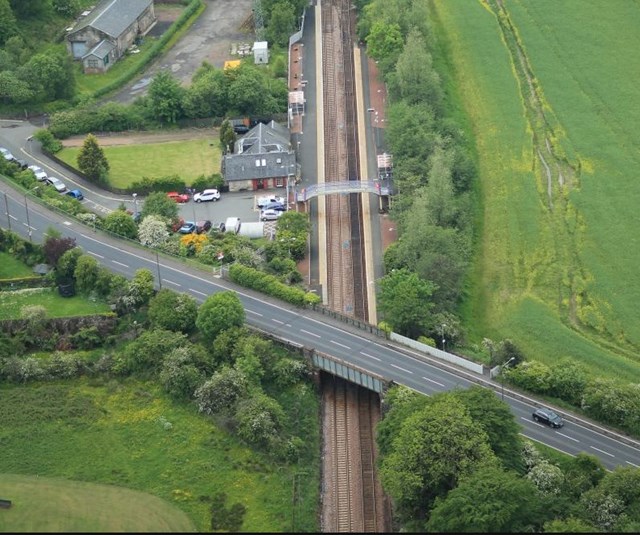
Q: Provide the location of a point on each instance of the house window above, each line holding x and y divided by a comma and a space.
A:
106, 59
258, 162
278, 160
264, 162
92, 63
279, 182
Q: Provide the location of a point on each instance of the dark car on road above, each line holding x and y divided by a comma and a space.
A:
203, 226
274, 206
547, 417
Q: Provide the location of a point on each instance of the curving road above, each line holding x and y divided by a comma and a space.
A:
312, 329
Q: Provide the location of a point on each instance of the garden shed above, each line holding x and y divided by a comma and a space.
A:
260, 52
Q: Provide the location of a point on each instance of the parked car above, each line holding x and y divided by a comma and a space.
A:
7, 154
548, 417
57, 183
188, 228
176, 224
207, 195
270, 215
232, 224
203, 226
266, 199
38, 172
76, 194
274, 206
22, 164
217, 227
178, 197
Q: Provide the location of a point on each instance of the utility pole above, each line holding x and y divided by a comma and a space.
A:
6, 203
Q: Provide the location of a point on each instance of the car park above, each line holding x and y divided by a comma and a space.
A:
274, 206
203, 226
178, 197
270, 215
6, 153
266, 199
38, 172
76, 194
189, 227
547, 417
57, 183
207, 195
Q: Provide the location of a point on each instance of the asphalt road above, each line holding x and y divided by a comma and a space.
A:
312, 329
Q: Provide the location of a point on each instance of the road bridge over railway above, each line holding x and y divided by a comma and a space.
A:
349, 186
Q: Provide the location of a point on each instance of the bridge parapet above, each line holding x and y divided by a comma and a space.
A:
333, 188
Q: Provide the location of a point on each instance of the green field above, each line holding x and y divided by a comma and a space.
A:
130, 163
11, 268
128, 433
556, 269
56, 305
41, 504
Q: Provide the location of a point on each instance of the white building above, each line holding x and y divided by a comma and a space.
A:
260, 52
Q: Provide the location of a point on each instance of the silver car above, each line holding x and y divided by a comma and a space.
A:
57, 183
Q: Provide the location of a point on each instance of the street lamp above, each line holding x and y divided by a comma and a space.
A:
26, 209
135, 206
158, 266
506, 364
442, 328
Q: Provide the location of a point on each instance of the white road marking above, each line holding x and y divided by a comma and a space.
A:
277, 321
253, 312
13, 217
549, 445
68, 223
527, 420
432, 381
95, 254
567, 436
339, 344
120, 263
171, 282
370, 356
197, 292
310, 333
406, 371
602, 451
632, 464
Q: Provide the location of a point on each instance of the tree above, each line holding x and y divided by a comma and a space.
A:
219, 312
8, 23
92, 161
568, 525
547, 477
507, 350
282, 23
66, 8
13, 90
497, 420
29, 9
148, 351
385, 43
66, 265
54, 247
50, 76
86, 273
179, 375
582, 473
227, 136
141, 288
152, 231
159, 204
173, 311
489, 500
165, 97
260, 420
435, 447
121, 223
222, 391
568, 380
405, 302
207, 94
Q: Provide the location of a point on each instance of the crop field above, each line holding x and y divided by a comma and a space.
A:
128, 435
554, 112
130, 163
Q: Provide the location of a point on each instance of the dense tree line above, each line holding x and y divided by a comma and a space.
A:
433, 173
454, 462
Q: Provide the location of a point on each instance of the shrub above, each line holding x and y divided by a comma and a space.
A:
530, 375
86, 338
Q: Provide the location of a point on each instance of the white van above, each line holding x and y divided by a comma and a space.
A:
232, 225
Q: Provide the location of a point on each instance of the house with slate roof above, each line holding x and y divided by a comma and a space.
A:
102, 36
262, 159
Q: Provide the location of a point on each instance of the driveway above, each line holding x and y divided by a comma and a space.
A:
210, 38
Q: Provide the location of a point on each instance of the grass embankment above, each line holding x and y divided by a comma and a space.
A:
556, 270
11, 268
56, 305
130, 163
42, 504
116, 433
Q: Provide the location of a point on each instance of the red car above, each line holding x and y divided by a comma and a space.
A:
178, 197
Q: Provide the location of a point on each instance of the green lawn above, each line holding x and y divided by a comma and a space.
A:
130, 434
559, 278
130, 163
42, 504
56, 305
11, 268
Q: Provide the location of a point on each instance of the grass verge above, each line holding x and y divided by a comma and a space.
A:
11, 268
56, 305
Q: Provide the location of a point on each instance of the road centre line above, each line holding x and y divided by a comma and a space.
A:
13, 217
339, 344
198, 292
432, 381
254, 312
567, 436
277, 321
171, 282
406, 371
310, 333
120, 264
370, 356
96, 254
602, 451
